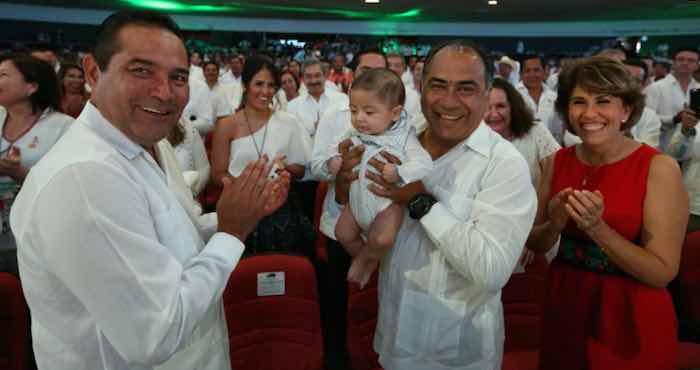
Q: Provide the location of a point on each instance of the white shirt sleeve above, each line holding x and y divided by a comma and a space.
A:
485, 247
200, 160
680, 147
648, 128
325, 138
418, 162
653, 101
143, 300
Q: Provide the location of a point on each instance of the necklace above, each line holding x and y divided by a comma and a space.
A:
260, 149
11, 142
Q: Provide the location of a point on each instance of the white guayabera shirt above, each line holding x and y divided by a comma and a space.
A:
440, 285
114, 270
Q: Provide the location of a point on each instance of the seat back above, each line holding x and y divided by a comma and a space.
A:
274, 332
363, 306
14, 325
523, 301
689, 277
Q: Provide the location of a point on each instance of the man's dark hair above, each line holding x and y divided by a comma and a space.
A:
638, 63
463, 44
527, 57
107, 43
363, 52
208, 62
681, 49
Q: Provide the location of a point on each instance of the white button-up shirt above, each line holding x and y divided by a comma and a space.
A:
332, 126
439, 289
309, 111
199, 111
544, 109
687, 149
115, 272
226, 98
666, 98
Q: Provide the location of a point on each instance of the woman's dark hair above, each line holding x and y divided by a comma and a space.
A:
288, 72
521, 117
65, 67
252, 66
604, 76
42, 74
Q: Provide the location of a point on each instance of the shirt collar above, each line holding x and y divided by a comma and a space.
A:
323, 96
479, 140
94, 120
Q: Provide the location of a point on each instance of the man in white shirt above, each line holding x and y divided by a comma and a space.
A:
648, 128
235, 69
412, 105
508, 70
195, 66
310, 105
538, 96
225, 97
115, 272
465, 227
333, 124
670, 96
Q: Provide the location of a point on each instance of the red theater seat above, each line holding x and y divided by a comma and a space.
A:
318, 210
689, 276
523, 300
362, 321
14, 325
276, 332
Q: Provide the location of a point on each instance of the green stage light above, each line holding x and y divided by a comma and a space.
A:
242, 7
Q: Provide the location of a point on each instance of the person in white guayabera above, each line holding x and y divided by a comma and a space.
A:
439, 286
114, 270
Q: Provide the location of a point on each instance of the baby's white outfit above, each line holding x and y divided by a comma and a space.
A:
400, 140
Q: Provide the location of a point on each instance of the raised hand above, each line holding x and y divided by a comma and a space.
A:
556, 210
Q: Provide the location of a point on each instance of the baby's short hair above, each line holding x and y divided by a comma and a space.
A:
383, 82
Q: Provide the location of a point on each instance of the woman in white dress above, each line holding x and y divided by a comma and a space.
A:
257, 130
30, 123
509, 115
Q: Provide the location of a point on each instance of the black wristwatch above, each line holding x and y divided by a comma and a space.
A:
420, 205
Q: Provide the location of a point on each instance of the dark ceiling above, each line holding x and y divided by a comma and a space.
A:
410, 10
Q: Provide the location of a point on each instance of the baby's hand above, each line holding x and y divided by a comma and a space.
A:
390, 173
334, 165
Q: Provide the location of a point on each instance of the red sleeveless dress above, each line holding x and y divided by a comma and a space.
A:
596, 316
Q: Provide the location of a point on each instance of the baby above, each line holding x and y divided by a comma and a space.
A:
368, 225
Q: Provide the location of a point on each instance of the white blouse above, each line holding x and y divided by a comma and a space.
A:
192, 157
536, 145
282, 135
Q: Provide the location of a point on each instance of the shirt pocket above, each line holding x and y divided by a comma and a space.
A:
428, 328
172, 233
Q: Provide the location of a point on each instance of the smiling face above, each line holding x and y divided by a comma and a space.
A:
596, 117
369, 114
454, 96
260, 90
74, 81
314, 79
498, 115
533, 73
289, 85
13, 87
144, 88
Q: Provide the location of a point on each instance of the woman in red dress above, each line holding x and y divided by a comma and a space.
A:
618, 209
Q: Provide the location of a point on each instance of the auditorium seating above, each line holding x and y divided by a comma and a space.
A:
274, 332
14, 325
523, 300
362, 321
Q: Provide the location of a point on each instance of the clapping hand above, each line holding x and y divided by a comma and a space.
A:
10, 164
585, 208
